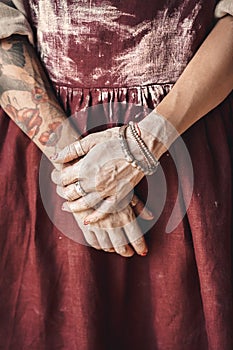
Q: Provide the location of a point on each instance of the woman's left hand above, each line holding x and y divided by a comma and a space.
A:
104, 175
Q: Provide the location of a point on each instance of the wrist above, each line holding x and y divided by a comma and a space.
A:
53, 140
157, 132
154, 145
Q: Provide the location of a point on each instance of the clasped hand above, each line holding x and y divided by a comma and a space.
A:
107, 181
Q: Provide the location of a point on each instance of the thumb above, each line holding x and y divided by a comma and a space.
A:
140, 209
83, 146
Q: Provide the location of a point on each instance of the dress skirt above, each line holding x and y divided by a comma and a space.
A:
59, 294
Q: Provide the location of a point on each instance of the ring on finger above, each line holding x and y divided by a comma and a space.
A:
78, 148
80, 191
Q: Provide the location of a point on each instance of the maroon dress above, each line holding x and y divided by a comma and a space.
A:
58, 294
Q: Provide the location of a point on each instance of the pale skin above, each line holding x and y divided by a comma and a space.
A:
28, 99
205, 83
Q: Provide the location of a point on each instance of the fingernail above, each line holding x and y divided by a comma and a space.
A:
144, 254
86, 222
65, 207
151, 214
54, 156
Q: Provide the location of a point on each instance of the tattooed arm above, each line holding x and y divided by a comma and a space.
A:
28, 99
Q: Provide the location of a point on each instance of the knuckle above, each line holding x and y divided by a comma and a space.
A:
72, 206
64, 153
59, 191
63, 179
86, 141
68, 151
79, 204
54, 175
72, 150
83, 204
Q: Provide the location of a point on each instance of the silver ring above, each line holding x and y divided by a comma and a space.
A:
79, 189
78, 148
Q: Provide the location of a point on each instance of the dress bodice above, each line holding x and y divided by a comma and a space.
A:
92, 43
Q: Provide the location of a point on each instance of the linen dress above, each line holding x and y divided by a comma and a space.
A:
59, 294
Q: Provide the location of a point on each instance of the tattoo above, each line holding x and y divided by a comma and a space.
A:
12, 53
28, 119
25, 93
39, 95
12, 84
51, 136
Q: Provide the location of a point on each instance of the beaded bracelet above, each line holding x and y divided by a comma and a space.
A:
148, 170
152, 162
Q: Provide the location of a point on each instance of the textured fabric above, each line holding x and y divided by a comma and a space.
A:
142, 53
13, 20
141, 31
223, 8
57, 294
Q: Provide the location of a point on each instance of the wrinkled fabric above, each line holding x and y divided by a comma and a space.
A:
223, 8
144, 37
13, 20
142, 53
58, 294
13, 16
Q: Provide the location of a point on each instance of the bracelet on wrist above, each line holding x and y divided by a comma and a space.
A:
152, 162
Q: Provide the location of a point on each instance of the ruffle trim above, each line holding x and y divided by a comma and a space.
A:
75, 99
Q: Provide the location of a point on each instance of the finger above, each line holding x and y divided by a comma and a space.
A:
75, 150
83, 203
66, 207
67, 154
119, 242
103, 239
87, 202
89, 235
91, 238
107, 206
135, 237
71, 173
69, 193
67, 175
140, 209
55, 176
115, 204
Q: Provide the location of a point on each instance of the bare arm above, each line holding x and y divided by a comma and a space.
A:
205, 83
27, 97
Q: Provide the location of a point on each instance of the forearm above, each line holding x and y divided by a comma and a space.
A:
205, 83
27, 97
